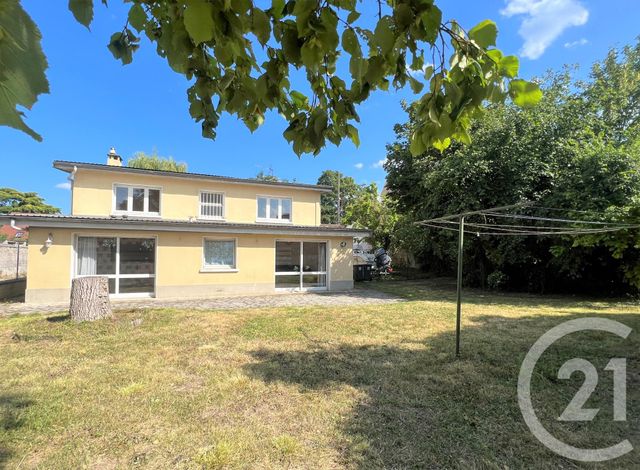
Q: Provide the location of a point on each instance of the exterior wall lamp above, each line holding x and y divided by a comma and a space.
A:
49, 241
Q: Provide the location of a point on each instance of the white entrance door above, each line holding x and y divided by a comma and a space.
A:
301, 265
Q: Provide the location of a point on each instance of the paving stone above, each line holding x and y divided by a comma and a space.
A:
353, 297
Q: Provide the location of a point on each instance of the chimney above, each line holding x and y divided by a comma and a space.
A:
113, 159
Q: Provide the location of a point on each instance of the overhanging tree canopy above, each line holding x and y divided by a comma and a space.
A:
239, 58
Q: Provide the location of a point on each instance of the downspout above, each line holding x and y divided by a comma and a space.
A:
72, 178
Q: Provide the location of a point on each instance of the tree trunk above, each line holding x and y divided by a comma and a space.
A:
90, 298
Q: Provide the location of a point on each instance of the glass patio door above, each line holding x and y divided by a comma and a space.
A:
129, 263
301, 265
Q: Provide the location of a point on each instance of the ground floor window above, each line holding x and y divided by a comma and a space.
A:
129, 263
301, 265
219, 254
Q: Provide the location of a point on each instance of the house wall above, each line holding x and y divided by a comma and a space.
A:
178, 264
93, 195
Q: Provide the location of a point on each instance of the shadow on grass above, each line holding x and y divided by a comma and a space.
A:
12, 408
425, 409
444, 290
59, 318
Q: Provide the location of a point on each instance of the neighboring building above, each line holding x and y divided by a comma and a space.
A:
12, 235
184, 235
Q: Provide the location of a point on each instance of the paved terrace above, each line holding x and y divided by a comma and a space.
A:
354, 297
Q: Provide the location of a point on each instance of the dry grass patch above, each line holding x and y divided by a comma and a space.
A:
370, 386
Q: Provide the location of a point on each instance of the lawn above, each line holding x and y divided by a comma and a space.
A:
372, 386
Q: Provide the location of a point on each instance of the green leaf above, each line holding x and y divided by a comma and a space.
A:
261, 25
350, 43
311, 53
22, 66
137, 17
403, 16
353, 135
357, 67
416, 86
299, 99
384, 36
277, 8
442, 144
431, 20
509, 66
82, 11
523, 93
428, 72
416, 146
375, 70
198, 20
353, 16
495, 55
120, 48
484, 34
290, 46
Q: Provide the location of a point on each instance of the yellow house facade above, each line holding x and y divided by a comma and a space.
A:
184, 235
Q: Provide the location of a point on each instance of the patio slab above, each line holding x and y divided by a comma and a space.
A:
353, 297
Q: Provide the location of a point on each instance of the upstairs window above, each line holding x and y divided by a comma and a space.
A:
136, 200
211, 205
272, 209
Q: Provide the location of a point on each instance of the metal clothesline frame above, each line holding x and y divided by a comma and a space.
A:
481, 229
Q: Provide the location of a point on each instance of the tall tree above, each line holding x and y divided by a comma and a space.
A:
614, 93
343, 191
12, 200
371, 210
213, 44
262, 176
156, 162
557, 155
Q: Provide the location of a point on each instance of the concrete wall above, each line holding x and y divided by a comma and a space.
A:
179, 257
179, 199
8, 261
12, 288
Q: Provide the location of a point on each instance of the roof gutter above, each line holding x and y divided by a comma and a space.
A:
166, 226
72, 167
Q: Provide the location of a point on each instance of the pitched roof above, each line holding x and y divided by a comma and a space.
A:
18, 233
69, 167
178, 225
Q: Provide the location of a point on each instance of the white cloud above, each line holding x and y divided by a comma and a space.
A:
359, 166
579, 42
544, 21
66, 185
378, 164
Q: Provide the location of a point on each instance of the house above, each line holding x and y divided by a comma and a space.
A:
14, 234
184, 235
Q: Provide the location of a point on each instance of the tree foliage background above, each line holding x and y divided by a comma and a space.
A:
156, 162
12, 200
579, 149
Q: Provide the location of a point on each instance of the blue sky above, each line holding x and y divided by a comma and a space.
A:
96, 103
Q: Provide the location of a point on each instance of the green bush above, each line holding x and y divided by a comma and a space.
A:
497, 280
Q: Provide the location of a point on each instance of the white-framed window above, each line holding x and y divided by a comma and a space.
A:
129, 263
274, 209
139, 200
211, 205
301, 265
219, 254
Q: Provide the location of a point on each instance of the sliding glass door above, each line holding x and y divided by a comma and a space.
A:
129, 263
301, 265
